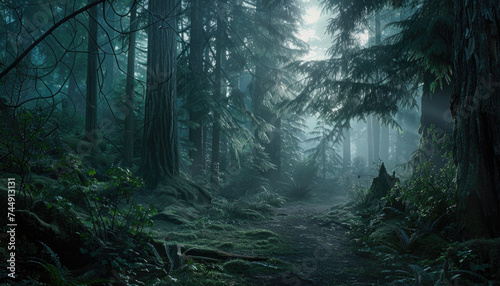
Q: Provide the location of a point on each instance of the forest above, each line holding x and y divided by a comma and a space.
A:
250, 142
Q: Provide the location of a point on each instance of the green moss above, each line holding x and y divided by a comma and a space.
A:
182, 236
260, 233
177, 214
386, 232
431, 246
226, 245
220, 227
279, 263
238, 266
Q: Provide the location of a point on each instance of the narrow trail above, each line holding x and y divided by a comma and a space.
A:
326, 255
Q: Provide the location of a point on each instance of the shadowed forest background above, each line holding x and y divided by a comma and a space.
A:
250, 142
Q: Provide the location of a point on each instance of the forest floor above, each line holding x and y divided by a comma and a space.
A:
326, 254
301, 249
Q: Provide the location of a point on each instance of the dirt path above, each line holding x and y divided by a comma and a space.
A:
327, 255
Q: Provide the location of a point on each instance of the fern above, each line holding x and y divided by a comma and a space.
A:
407, 242
59, 275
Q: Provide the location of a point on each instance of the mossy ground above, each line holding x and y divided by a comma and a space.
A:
299, 250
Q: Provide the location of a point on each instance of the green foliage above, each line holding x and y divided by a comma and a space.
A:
249, 179
426, 37
416, 275
407, 242
255, 206
474, 262
271, 198
109, 203
291, 132
348, 85
429, 194
356, 191
58, 275
246, 208
324, 155
25, 143
302, 180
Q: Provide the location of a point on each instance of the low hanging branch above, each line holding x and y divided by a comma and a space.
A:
46, 34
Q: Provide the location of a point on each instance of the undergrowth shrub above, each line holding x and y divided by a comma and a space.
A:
26, 141
356, 191
428, 194
238, 209
405, 229
250, 207
249, 179
271, 198
301, 181
106, 198
56, 274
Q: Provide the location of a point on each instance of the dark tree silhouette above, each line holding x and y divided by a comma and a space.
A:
160, 155
476, 111
92, 90
196, 45
129, 97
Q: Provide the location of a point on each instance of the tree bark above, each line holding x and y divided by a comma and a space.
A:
196, 108
220, 53
375, 121
347, 149
369, 140
476, 111
129, 93
160, 155
376, 139
109, 55
71, 94
384, 144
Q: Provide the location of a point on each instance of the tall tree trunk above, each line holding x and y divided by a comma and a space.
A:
71, 94
369, 140
323, 156
262, 85
376, 139
109, 58
384, 144
219, 54
129, 97
160, 155
375, 121
196, 108
347, 133
476, 112
347, 149
91, 98
223, 153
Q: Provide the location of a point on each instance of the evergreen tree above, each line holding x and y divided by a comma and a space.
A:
195, 101
160, 154
130, 92
324, 155
220, 53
